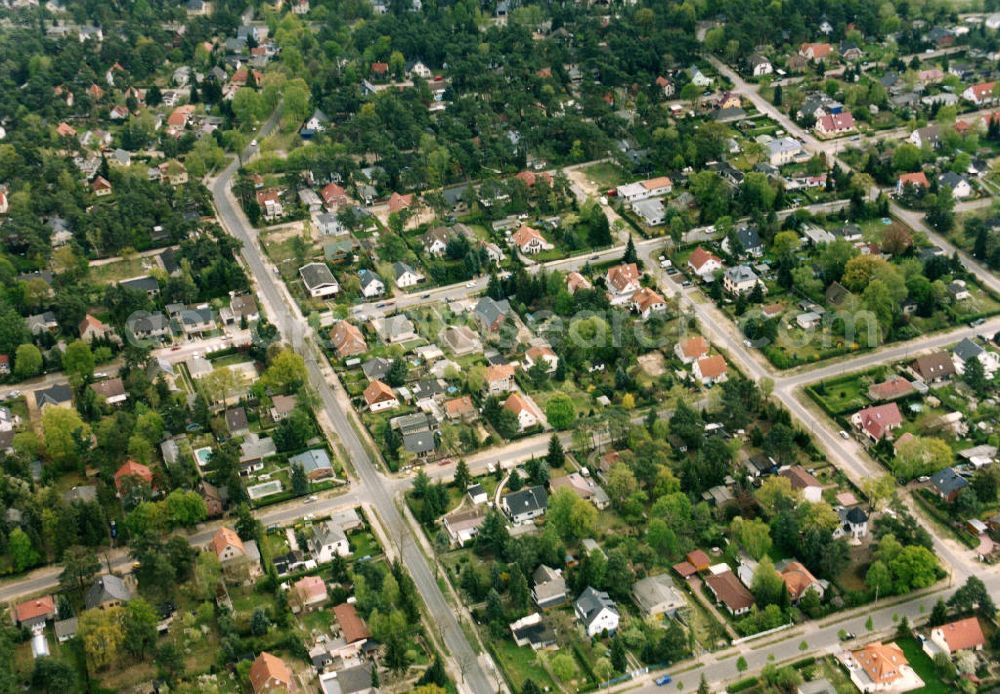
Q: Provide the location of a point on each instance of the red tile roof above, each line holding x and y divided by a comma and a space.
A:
34, 609
269, 672
351, 625
916, 179
962, 635
132, 469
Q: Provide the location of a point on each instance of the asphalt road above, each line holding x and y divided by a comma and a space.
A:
371, 486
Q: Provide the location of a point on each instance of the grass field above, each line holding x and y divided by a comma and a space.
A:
924, 667
122, 269
840, 396
605, 174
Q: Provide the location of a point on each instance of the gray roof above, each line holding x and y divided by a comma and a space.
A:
236, 420
548, 584
654, 591
748, 237
367, 277
419, 442
170, 451
741, 273
66, 628
350, 680
327, 533
84, 493
400, 268
106, 588
967, 349
57, 394
376, 368
311, 461
527, 500
316, 275
950, 179
948, 481
591, 602
411, 423
142, 284
784, 144
488, 310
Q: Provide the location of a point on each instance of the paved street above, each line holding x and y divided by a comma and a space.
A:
371, 486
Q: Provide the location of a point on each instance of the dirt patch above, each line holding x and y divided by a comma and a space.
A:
652, 364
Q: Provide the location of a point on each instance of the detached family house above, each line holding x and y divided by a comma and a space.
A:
525, 505
597, 612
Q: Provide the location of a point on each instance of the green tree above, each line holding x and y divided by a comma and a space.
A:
53, 676
139, 621
572, 517
974, 376
300, 482
102, 634
80, 565
462, 476
27, 361
22, 553
753, 535
286, 372
556, 456
78, 360
913, 568
560, 411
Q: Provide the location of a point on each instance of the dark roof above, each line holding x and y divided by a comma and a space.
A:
54, 395
856, 515
142, 284
527, 500
947, 481
419, 442
236, 419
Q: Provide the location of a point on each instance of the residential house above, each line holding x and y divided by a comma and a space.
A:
958, 184
597, 612
378, 397
980, 94
747, 242
490, 314
101, 187
759, 65
783, 150
646, 302
704, 264
308, 594
499, 379
132, 472
318, 280
953, 637
269, 673
853, 523
622, 282
145, 284
947, 484
525, 505
882, 667
575, 281
347, 340
583, 486
334, 196
730, 592
91, 329
690, 349
315, 463
892, 388
353, 629
835, 123
111, 391
327, 541
653, 212
657, 596
461, 340
928, 136
42, 322
878, 421
799, 581
462, 525
371, 284
107, 591
525, 411
816, 51
35, 612
435, 241
967, 350
212, 497
238, 558
934, 367
405, 275
804, 482
394, 329
549, 587
710, 370
529, 241
641, 190
543, 354
958, 290
270, 204
58, 394
461, 408
532, 631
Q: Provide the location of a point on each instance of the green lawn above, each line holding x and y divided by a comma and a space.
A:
605, 174
924, 667
522, 664
840, 396
121, 269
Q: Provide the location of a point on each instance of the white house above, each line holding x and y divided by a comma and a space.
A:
529, 241
651, 188
597, 612
406, 276
318, 280
760, 65
525, 505
327, 541
704, 264
371, 284
783, 150
524, 410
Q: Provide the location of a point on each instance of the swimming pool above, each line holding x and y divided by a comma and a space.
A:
259, 491
202, 456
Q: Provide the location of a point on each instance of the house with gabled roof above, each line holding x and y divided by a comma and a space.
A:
622, 282
704, 264
953, 637
347, 340
525, 505
529, 241
597, 612
269, 673
549, 587
878, 421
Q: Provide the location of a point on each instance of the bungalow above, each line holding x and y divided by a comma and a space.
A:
958, 290
529, 241
461, 408
962, 635
947, 484
318, 280
657, 596
371, 284
934, 367
399, 203
583, 486
532, 631
525, 411
710, 370
597, 612
91, 328
463, 525
107, 591
740, 280
42, 322
461, 340
111, 390
549, 587
347, 340
405, 275
979, 94
892, 388
394, 329
928, 136
645, 302
315, 463
641, 190
652, 212
704, 264
378, 397
575, 282
877, 421
525, 505
59, 395
815, 51
730, 592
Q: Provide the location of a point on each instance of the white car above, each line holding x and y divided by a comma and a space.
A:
253, 143
844, 435
470, 285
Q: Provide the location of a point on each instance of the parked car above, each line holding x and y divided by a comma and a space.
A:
663, 679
